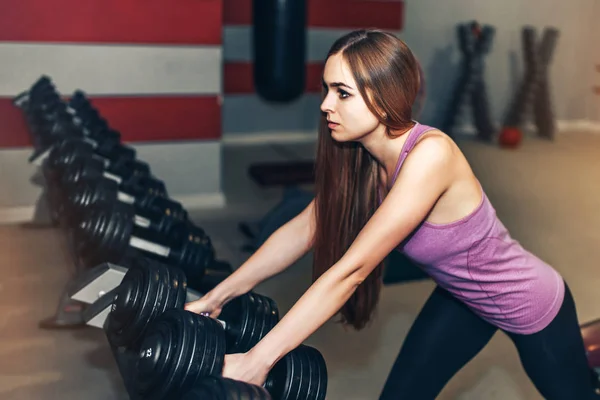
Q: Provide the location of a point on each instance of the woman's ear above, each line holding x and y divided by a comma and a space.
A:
378, 111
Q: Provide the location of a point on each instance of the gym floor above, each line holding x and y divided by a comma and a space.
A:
546, 193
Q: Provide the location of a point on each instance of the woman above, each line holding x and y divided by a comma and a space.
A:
385, 182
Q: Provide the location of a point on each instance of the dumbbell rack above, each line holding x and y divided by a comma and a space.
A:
91, 289
96, 288
95, 282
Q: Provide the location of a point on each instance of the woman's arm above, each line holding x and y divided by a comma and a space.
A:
284, 247
426, 175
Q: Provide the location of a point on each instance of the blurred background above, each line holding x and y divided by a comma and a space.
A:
222, 104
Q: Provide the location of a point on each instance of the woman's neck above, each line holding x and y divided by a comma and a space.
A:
385, 149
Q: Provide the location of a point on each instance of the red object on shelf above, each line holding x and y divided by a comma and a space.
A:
510, 137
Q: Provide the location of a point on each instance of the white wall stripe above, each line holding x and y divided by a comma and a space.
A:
189, 170
249, 113
112, 70
237, 43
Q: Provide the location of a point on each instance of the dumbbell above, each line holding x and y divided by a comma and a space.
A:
165, 218
146, 210
148, 289
82, 168
50, 126
108, 154
40, 89
87, 114
180, 347
59, 187
112, 233
219, 388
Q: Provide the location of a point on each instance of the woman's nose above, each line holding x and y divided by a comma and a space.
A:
327, 105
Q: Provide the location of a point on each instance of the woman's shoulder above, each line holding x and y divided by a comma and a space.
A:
434, 141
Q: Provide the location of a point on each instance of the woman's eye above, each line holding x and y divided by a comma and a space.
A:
343, 94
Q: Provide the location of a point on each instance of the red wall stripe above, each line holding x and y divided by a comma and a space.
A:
238, 78
112, 21
139, 119
386, 14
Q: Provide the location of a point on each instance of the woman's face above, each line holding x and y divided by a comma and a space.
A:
347, 113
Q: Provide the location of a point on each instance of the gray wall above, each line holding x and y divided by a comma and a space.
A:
430, 30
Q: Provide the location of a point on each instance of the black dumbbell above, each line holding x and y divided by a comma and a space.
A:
106, 148
113, 232
180, 347
49, 127
148, 289
40, 89
88, 116
133, 185
166, 219
59, 186
111, 160
147, 210
219, 388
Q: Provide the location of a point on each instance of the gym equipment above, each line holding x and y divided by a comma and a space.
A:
39, 89
147, 210
59, 186
475, 43
279, 38
91, 168
204, 348
219, 388
115, 157
112, 233
147, 291
533, 94
179, 347
88, 116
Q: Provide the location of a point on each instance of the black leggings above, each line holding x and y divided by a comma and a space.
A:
447, 334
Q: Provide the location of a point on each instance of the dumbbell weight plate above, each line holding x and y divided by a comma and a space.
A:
319, 374
252, 309
308, 379
260, 321
219, 388
247, 317
313, 384
195, 362
293, 377
165, 353
205, 354
163, 349
232, 311
143, 294
129, 303
182, 286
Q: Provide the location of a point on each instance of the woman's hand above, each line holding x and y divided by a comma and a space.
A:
205, 306
246, 367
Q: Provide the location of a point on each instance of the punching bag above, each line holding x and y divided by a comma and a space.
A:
279, 49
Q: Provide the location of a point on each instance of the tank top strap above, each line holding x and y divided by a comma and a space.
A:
413, 136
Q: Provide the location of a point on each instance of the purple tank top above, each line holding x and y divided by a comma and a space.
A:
476, 260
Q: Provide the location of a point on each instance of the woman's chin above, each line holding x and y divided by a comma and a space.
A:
339, 137
343, 138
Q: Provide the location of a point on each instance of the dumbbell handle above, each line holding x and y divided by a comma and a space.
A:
192, 295
147, 245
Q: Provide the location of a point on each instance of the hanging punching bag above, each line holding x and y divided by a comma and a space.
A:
279, 47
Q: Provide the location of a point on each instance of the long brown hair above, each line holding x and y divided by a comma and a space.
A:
347, 176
